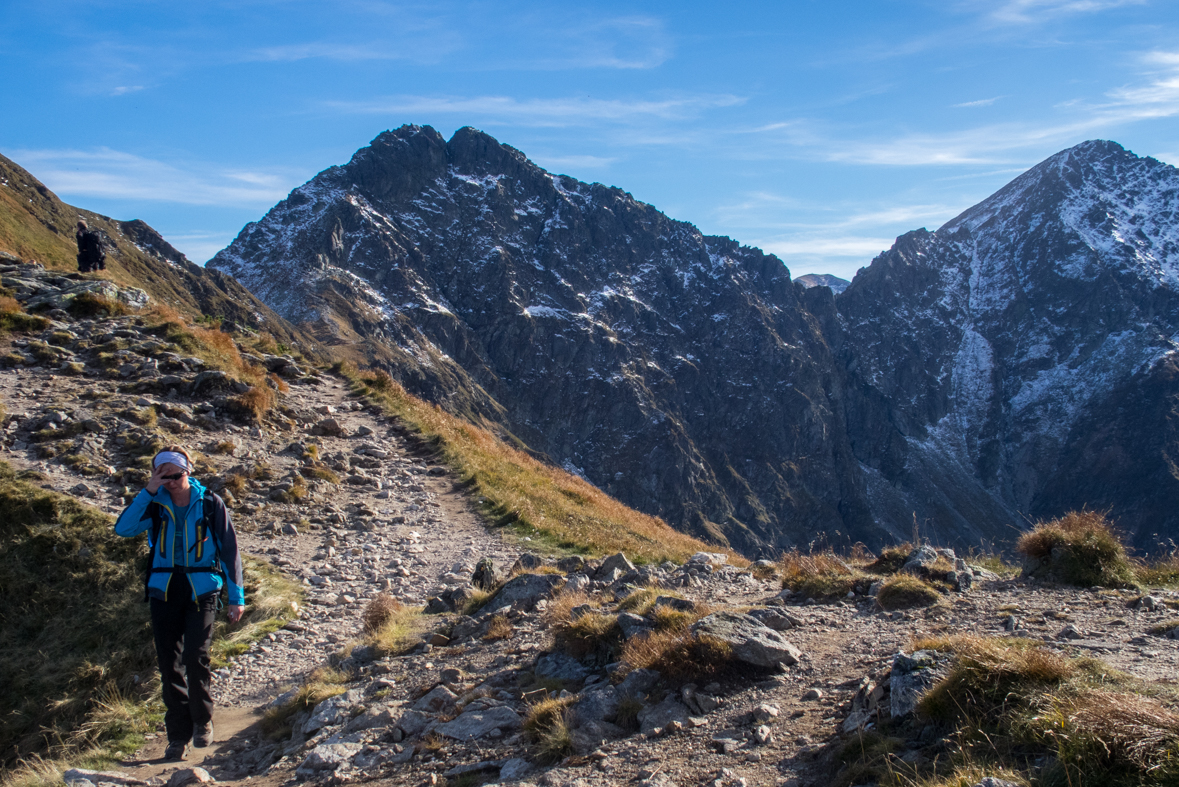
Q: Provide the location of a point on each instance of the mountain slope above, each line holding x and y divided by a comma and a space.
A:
674, 370
35, 224
978, 351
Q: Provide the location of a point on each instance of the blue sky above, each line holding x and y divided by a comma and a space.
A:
815, 130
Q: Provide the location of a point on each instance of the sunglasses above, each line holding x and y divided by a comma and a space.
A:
173, 477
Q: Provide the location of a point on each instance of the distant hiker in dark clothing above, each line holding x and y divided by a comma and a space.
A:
91, 255
193, 555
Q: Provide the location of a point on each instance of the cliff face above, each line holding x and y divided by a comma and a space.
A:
676, 371
985, 358
955, 385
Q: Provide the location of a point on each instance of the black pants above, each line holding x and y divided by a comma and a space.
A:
183, 631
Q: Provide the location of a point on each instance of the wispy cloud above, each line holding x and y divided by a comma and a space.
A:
1155, 96
554, 163
984, 102
555, 112
116, 175
123, 90
1035, 11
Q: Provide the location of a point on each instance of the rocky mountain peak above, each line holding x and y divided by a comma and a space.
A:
692, 378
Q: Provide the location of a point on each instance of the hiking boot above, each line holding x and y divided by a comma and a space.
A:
176, 750
203, 735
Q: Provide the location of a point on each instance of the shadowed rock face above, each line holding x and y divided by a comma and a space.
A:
983, 359
689, 377
676, 371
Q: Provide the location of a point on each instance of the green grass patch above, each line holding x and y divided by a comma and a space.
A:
271, 601
74, 631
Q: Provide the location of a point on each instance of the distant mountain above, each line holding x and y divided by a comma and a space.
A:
676, 371
35, 224
1021, 360
836, 284
967, 379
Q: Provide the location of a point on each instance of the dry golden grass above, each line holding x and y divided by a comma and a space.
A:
562, 604
1163, 572
901, 591
555, 508
378, 612
547, 723
255, 403
1088, 551
640, 601
402, 630
821, 575
322, 683
593, 632
988, 674
677, 653
500, 628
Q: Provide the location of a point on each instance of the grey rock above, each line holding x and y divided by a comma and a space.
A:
328, 757
514, 769
190, 776
522, 593
438, 700
632, 624
559, 666
751, 641
413, 722
661, 715
599, 703
913, 675
638, 683
331, 711
477, 724
613, 567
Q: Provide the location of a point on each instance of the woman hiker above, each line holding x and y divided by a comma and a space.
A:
193, 553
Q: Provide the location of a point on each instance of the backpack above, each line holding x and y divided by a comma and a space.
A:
93, 254
208, 506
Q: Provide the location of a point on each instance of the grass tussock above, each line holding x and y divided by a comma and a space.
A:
593, 632
640, 601
91, 304
13, 318
217, 349
1051, 719
821, 575
378, 612
554, 508
678, 653
561, 606
1162, 572
904, 591
254, 404
402, 630
316, 473
547, 724
1080, 548
499, 628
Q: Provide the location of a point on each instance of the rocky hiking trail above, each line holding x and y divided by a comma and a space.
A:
452, 709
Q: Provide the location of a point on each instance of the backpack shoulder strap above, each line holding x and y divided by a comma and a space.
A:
157, 524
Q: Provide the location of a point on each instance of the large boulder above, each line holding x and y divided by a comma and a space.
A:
751, 641
477, 724
522, 593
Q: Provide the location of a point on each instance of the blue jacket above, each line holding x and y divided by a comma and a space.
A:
201, 549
